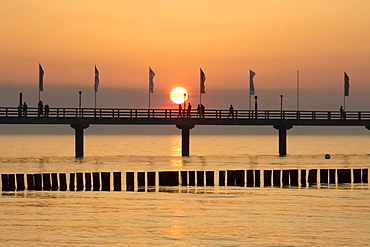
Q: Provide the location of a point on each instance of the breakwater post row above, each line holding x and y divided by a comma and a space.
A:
150, 181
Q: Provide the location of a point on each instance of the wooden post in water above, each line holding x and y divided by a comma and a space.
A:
5, 182
285, 178
20, 181
294, 177
117, 181
276, 178
96, 181
210, 178
105, 181
221, 178
184, 178
80, 181
250, 178
30, 182
88, 182
267, 178
200, 178
62, 182
303, 178
130, 181
365, 175
151, 179
72, 181
257, 178
54, 182
46, 181
38, 182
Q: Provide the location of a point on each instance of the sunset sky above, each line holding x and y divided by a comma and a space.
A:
275, 38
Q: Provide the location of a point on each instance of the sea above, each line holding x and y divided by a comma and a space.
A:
317, 215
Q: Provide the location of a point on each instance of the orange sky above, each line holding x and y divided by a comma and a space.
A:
226, 38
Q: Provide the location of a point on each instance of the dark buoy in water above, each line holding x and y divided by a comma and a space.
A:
327, 156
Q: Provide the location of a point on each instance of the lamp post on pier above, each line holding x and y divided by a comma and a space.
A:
79, 101
255, 105
281, 105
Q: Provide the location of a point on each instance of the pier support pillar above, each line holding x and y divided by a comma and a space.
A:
185, 141
79, 139
282, 138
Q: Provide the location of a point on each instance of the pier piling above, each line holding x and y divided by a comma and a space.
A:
79, 139
185, 138
282, 138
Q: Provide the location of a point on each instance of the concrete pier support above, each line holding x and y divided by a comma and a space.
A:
79, 139
282, 138
185, 141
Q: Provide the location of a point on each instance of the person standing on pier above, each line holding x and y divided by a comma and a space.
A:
189, 110
25, 107
231, 112
180, 111
198, 111
341, 112
202, 110
46, 110
40, 108
20, 111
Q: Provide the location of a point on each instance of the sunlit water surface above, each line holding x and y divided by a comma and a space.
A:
335, 215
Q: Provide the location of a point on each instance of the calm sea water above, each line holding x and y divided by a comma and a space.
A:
335, 215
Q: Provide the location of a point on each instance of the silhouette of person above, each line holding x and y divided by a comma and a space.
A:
202, 110
189, 110
341, 112
198, 111
25, 107
20, 111
231, 112
46, 110
40, 108
180, 110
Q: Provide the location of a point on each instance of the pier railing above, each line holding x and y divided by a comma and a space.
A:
32, 112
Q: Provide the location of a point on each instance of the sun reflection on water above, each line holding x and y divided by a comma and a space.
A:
175, 145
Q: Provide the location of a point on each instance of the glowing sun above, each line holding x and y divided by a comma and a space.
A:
178, 95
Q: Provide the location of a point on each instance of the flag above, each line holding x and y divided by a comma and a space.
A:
41, 78
151, 83
251, 84
96, 85
202, 80
346, 84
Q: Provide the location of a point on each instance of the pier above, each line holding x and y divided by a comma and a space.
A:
82, 118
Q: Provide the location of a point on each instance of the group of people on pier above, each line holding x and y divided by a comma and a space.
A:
42, 111
187, 112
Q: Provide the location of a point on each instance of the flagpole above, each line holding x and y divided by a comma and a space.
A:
344, 92
149, 89
200, 93
297, 90
344, 101
200, 87
95, 100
